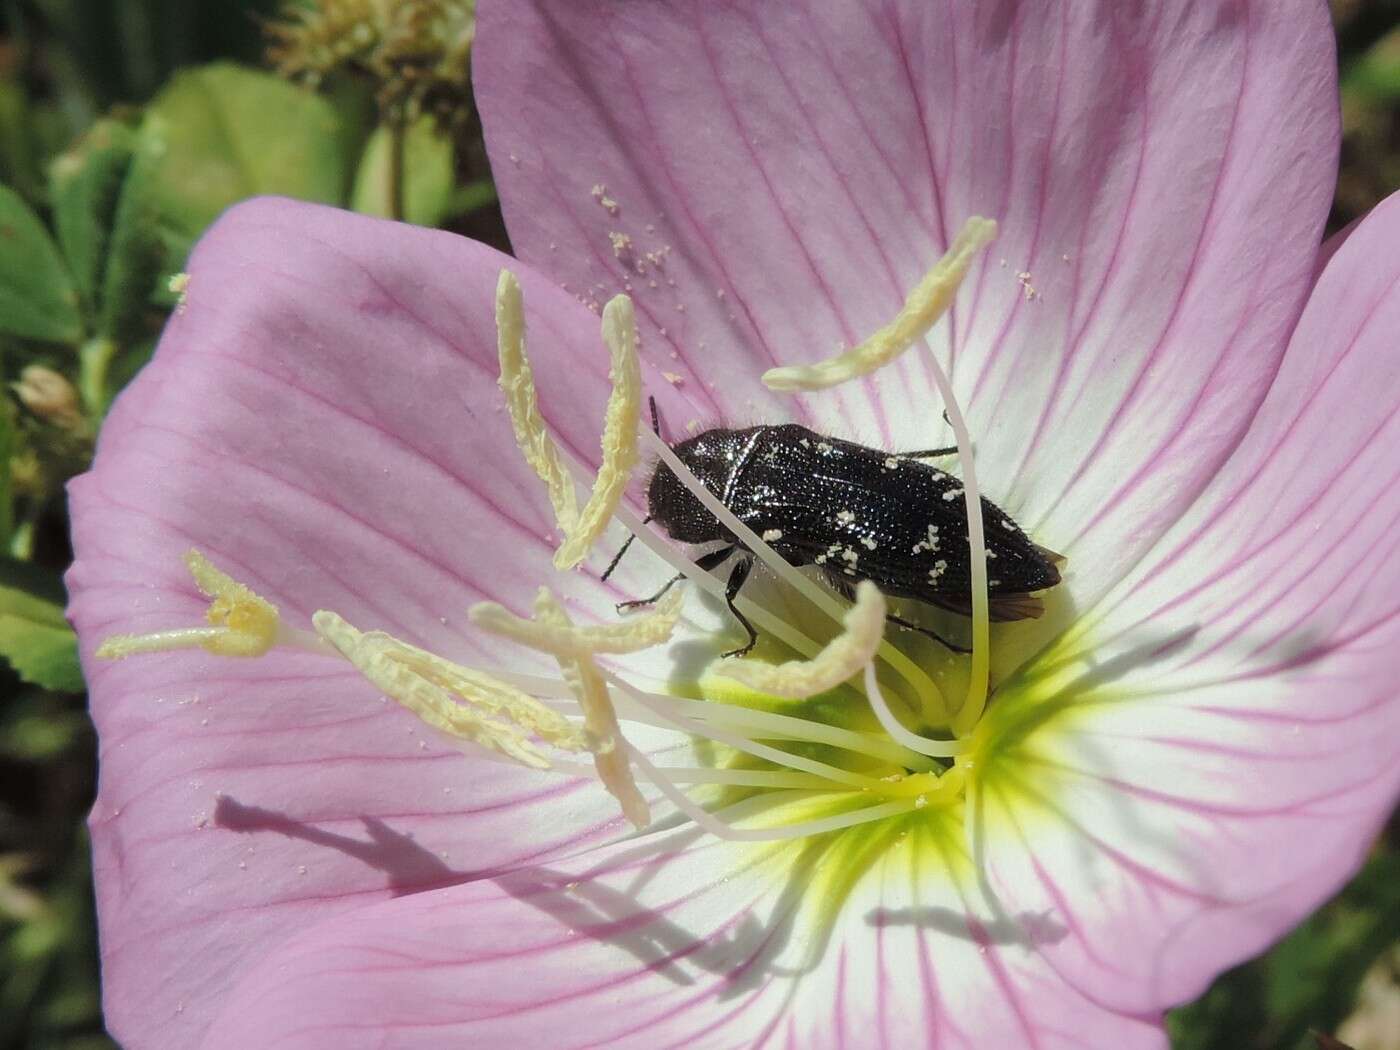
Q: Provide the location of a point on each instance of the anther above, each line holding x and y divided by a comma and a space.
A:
581, 528
610, 752
564, 639
841, 658
495, 715
242, 623
924, 306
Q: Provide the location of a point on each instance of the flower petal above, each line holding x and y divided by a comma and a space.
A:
322, 420
1160, 174
701, 945
1212, 751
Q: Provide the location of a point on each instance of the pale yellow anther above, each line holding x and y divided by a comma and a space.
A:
242, 623
517, 381
581, 529
629, 635
599, 718
493, 714
619, 434
922, 309
845, 655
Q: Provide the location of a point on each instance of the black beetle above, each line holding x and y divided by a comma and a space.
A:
857, 512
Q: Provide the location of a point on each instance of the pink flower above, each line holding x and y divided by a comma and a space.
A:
1185, 756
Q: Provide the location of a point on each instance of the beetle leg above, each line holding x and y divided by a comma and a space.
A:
892, 618
736, 581
705, 562
618, 556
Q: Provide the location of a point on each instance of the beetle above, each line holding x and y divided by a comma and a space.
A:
858, 513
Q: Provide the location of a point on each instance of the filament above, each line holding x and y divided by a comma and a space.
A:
971, 710
738, 743
913, 741
722, 829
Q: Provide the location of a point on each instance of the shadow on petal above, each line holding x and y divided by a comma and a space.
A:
1029, 929
409, 866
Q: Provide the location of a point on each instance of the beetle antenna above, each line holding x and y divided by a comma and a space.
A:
655, 417
618, 556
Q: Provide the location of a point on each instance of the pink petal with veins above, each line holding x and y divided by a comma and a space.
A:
1236, 743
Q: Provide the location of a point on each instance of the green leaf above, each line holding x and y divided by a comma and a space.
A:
34, 636
428, 166
135, 253
37, 296
7, 451
226, 133
18, 163
85, 185
1374, 77
473, 195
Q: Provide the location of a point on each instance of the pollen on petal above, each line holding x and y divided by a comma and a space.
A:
562, 638
241, 622
842, 657
924, 306
599, 718
493, 714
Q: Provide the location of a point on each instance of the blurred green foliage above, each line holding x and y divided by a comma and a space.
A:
126, 126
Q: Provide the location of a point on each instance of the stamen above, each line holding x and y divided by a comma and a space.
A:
517, 381
243, 623
619, 434
924, 306
923, 745
769, 725
425, 684
722, 829
581, 529
637, 632
980, 674
755, 778
758, 725
599, 719
842, 657
739, 743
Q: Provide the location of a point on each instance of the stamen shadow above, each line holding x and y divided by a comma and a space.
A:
1028, 929
409, 866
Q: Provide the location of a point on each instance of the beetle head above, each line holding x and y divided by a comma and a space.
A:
713, 457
